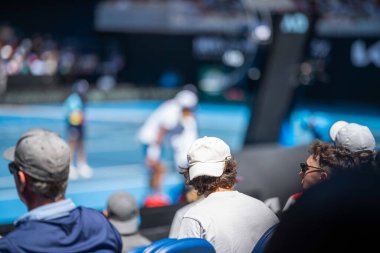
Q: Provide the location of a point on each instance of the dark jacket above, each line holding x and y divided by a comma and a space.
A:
83, 230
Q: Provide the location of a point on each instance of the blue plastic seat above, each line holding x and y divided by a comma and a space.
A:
154, 246
151, 247
169, 245
262, 242
137, 250
187, 245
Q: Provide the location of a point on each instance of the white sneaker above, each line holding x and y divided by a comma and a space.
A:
85, 171
73, 174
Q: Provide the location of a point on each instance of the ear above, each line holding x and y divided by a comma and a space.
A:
324, 176
21, 180
105, 213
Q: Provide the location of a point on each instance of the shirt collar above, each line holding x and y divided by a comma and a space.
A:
49, 211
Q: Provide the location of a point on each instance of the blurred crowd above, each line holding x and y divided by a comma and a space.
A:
341, 8
40, 55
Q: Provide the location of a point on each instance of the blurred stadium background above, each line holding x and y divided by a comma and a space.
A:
272, 76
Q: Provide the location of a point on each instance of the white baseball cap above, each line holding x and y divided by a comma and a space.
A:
186, 99
207, 157
352, 136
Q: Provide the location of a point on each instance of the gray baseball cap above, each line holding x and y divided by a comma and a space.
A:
123, 212
352, 136
42, 154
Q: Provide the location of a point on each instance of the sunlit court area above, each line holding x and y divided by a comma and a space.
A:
112, 148
132, 87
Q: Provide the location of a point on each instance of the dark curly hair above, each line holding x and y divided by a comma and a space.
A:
331, 158
336, 159
365, 160
207, 184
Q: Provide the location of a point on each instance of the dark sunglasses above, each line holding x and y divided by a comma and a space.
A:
305, 167
13, 168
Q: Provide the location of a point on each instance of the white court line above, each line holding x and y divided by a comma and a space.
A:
207, 120
100, 173
95, 114
11, 194
84, 186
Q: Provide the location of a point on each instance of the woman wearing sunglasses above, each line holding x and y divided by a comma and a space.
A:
324, 160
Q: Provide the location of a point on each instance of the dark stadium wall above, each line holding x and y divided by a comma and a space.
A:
59, 18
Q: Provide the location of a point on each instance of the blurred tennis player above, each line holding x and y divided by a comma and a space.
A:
174, 119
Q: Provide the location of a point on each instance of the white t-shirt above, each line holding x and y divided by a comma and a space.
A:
182, 131
230, 221
176, 223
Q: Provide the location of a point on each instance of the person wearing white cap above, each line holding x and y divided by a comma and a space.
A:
231, 221
358, 139
352, 136
174, 119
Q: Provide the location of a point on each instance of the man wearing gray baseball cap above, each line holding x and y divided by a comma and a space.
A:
40, 164
123, 212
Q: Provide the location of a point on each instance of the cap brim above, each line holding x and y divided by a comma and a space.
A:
206, 169
335, 128
9, 154
125, 227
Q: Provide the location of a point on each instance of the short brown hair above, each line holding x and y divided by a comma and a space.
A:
49, 190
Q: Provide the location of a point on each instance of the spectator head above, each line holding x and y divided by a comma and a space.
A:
352, 136
211, 165
325, 160
123, 212
44, 158
190, 87
187, 99
358, 139
81, 87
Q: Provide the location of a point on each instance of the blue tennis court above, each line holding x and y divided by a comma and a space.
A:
296, 129
112, 148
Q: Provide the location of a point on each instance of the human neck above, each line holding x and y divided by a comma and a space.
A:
220, 189
38, 201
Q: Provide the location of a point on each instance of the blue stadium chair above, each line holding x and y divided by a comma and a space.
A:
152, 247
137, 250
262, 242
186, 245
